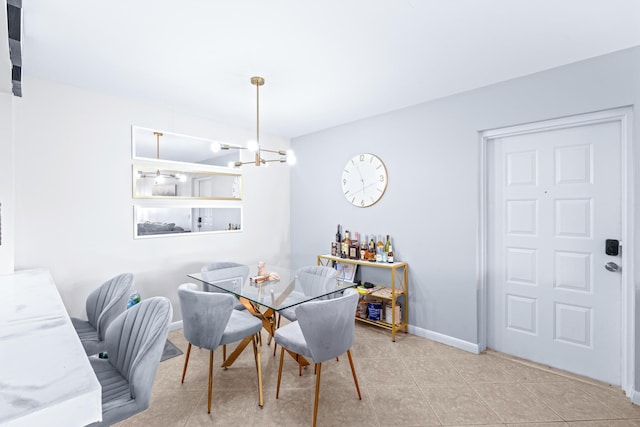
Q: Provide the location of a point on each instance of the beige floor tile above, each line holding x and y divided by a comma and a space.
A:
383, 372
483, 369
515, 404
427, 371
528, 374
167, 409
571, 403
341, 407
401, 406
554, 424
613, 398
228, 408
412, 382
374, 348
458, 405
606, 423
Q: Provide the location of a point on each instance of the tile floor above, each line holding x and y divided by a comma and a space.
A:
412, 382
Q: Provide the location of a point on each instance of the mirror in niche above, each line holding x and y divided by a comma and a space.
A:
151, 182
156, 221
160, 145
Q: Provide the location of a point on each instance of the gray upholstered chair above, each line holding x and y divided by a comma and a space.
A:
324, 330
135, 341
310, 280
224, 271
209, 320
103, 306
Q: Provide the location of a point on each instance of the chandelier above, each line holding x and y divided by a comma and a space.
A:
262, 156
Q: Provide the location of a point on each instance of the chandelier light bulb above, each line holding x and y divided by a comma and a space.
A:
252, 145
215, 147
291, 158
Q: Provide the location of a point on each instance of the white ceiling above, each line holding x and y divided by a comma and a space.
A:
325, 62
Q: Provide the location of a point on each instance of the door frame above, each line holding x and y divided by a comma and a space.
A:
624, 117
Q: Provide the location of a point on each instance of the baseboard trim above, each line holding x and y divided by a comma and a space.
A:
445, 339
174, 326
634, 395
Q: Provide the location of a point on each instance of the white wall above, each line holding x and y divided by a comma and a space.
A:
74, 208
431, 205
6, 184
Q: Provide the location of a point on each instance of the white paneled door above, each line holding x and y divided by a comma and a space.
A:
554, 197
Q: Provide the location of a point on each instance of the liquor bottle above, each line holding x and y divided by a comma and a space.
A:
371, 252
379, 249
354, 247
387, 244
338, 236
363, 249
346, 244
390, 255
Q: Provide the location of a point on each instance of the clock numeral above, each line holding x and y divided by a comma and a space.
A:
344, 181
361, 202
381, 178
362, 157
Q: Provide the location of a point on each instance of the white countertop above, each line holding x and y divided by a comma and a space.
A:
45, 375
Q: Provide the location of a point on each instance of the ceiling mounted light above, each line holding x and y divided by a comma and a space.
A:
281, 156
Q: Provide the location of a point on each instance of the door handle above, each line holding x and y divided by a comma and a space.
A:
612, 266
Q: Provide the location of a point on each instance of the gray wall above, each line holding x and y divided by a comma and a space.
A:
431, 152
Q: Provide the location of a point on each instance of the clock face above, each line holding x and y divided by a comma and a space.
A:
364, 180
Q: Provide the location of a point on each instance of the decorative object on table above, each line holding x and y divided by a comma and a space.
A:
364, 180
346, 271
262, 272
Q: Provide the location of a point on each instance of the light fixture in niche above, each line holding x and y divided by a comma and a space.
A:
159, 175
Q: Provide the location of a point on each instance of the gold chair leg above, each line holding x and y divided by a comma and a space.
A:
256, 354
210, 381
315, 404
299, 365
186, 362
224, 353
275, 344
353, 371
280, 371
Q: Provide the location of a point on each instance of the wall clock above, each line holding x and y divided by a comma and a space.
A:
364, 180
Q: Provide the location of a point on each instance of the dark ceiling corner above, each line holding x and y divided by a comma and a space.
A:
14, 26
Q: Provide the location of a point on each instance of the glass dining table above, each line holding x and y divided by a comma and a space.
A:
265, 295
